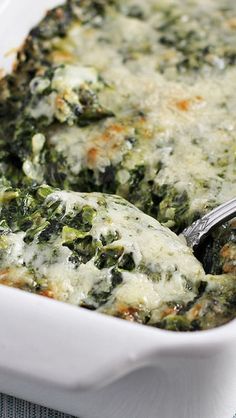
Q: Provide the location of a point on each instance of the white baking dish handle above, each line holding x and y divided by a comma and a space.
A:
55, 343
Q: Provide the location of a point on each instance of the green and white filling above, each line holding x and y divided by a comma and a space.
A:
100, 252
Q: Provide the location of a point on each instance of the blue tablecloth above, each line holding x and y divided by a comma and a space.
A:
15, 408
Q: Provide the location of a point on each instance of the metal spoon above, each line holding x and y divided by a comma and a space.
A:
200, 229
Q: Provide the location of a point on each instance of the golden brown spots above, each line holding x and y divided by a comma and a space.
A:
128, 313
106, 136
47, 293
168, 311
229, 268
4, 273
107, 145
11, 277
195, 311
2, 73
60, 56
186, 104
231, 23
10, 283
111, 130
199, 98
116, 128
59, 102
171, 310
40, 72
148, 133
183, 105
59, 13
233, 223
91, 156
228, 252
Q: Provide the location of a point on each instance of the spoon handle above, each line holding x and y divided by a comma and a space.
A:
199, 230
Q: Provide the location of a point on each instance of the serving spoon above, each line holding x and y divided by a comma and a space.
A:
196, 233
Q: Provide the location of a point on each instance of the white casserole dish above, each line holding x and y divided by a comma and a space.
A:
94, 366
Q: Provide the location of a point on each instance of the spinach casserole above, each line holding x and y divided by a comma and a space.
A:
100, 252
112, 100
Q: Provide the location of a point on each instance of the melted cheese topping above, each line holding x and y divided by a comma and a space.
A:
178, 118
186, 123
163, 267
